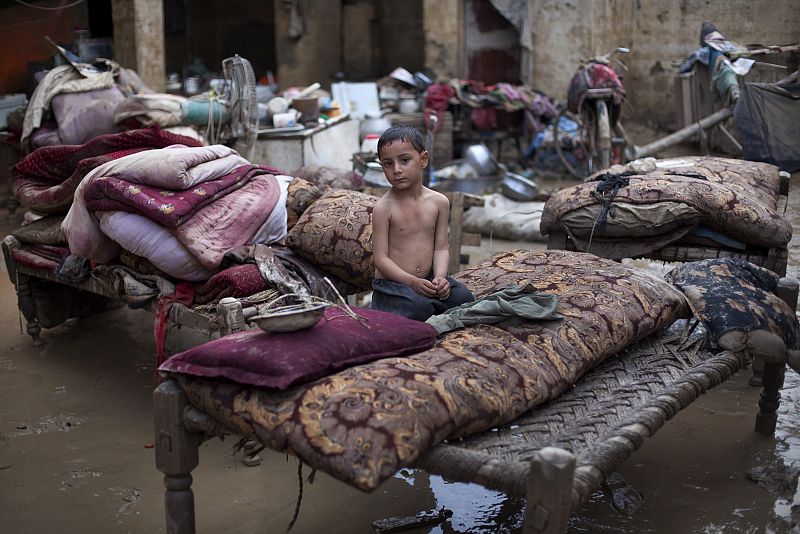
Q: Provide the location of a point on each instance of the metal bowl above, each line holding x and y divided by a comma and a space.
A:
518, 187
291, 320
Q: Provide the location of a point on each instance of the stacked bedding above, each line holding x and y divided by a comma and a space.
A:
628, 211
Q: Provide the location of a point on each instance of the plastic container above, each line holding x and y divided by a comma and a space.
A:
370, 143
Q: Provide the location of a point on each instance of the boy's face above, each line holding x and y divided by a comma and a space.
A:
402, 164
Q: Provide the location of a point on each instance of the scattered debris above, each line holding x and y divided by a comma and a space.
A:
422, 519
130, 496
625, 499
51, 423
779, 481
251, 461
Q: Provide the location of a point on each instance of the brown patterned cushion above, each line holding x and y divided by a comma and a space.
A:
728, 197
364, 423
301, 194
335, 233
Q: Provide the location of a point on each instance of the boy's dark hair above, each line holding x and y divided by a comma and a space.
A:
402, 133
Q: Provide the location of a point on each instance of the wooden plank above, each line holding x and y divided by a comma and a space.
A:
470, 239
456, 231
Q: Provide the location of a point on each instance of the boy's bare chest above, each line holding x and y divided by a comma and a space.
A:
413, 220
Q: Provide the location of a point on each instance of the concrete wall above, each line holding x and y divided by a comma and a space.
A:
316, 55
139, 38
22, 31
443, 26
658, 32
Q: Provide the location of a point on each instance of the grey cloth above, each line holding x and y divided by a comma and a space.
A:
511, 306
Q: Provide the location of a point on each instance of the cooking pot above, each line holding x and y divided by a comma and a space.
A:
374, 123
481, 159
518, 187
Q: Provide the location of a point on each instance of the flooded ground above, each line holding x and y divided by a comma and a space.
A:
76, 427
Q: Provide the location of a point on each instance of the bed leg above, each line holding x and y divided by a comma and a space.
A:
232, 315
773, 373
549, 492
177, 453
28, 309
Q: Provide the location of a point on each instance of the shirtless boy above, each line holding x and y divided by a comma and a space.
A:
409, 234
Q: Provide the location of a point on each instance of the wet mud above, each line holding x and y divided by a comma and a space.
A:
76, 436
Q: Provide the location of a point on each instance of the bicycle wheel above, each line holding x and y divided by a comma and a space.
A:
602, 136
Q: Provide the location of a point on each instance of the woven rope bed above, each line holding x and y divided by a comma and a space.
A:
556, 456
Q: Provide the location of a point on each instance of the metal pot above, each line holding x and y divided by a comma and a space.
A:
374, 124
518, 187
481, 159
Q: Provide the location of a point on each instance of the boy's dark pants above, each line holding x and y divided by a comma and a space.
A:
400, 299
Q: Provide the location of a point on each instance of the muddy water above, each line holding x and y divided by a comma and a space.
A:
76, 424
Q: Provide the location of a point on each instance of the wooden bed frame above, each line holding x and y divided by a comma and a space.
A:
230, 315
556, 455
774, 259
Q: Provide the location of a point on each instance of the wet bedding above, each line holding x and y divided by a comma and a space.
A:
364, 423
629, 211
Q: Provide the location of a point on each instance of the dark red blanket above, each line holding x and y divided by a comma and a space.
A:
46, 179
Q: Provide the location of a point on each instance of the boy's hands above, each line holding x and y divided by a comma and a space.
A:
424, 287
442, 287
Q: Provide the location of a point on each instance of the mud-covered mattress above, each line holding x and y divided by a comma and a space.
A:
364, 423
634, 210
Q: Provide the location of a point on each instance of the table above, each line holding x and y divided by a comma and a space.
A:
331, 144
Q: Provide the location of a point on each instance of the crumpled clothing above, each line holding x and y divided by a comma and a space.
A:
271, 268
510, 306
74, 270
144, 110
136, 290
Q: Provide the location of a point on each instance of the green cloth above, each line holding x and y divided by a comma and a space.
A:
510, 306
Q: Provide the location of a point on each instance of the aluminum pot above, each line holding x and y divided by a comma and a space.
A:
481, 159
518, 187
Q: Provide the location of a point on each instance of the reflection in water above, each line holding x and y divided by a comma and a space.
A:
478, 510
475, 508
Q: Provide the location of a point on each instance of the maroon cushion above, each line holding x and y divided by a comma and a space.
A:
282, 360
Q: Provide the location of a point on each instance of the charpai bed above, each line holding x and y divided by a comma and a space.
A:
553, 443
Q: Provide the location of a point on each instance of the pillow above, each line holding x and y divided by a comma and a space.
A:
300, 196
86, 115
736, 301
323, 176
281, 360
335, 233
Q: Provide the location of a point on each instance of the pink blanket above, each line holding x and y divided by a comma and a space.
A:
47, 178
168, 207
176, 168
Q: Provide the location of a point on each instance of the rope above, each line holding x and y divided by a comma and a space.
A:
607, 188
299, 495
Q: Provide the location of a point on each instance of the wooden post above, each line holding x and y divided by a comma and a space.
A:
456, 230
177, 453
549, 492
774, 373
682, 135
139, 38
